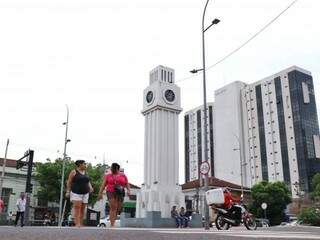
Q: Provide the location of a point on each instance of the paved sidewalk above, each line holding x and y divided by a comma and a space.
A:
87, 233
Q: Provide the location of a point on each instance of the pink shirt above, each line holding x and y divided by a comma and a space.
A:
1, 205
112, 180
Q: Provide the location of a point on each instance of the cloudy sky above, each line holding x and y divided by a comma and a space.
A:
95, 56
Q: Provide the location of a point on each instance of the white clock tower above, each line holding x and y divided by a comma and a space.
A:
161, 107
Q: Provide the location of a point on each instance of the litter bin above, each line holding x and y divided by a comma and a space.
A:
93, 217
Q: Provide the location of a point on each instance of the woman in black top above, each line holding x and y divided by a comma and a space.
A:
78, 189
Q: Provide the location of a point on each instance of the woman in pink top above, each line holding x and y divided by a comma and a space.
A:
114, 183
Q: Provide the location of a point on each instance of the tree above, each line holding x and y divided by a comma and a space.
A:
310, 215
315, 185
276, 195
49, 177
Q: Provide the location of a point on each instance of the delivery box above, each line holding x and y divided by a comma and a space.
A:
215, 196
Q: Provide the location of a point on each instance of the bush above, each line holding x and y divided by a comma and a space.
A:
310, 216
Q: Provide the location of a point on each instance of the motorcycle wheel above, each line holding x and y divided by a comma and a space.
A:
250, 223
221, 224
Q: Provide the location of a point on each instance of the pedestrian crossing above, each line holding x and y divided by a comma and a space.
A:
259, 234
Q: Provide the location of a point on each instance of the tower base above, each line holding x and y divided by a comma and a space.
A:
153, 220
159, 199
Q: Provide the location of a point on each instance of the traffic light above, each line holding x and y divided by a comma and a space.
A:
20, 164
29, 188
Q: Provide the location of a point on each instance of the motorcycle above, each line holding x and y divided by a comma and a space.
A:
227, 218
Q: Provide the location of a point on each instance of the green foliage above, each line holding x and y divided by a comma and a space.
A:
310, 216
96, 177
315, 184
276, 195
49, 177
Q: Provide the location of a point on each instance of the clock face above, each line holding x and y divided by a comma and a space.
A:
169, 95
149, 97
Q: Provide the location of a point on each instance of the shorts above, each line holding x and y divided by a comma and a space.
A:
79, 197
114, 195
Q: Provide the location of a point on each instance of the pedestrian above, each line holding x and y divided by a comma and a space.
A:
78, 189
21, 207
1, 205
114, 183
176, 216
184, 218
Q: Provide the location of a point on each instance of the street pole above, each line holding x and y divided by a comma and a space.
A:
3, 168
29, 186
63, 167
241, 163
206, 178
205, 114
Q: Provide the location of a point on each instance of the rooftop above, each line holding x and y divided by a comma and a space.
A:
213, 182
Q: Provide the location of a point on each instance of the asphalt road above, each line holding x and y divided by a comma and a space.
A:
55, 233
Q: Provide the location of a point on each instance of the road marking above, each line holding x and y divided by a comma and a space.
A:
250, 234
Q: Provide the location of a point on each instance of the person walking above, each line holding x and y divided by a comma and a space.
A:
114, 183
1, 205
21, 207
78, 189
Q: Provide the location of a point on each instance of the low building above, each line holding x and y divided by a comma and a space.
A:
14, 183
195, 194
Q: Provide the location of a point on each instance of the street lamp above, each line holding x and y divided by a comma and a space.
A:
66, 140
206, 180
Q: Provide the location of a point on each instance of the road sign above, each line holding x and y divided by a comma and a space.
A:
264, 206
204, 168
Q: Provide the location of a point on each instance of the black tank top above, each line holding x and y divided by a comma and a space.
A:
80, 183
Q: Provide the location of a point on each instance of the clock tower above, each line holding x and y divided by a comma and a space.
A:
161, 107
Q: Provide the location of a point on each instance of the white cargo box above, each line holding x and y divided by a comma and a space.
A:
215, 196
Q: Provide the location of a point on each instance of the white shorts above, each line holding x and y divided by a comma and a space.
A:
79, 197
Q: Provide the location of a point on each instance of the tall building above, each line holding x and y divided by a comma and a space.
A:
228, 134
281, 127
194, 141
268, 130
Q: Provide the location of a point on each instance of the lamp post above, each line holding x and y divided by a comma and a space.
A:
206, 179
241, 163
66, 140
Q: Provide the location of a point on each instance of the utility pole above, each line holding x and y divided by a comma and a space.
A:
241, 162
66, 140
3, 168
29, 186
205, 113
29, 155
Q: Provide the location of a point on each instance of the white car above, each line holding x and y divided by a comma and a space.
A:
105, 222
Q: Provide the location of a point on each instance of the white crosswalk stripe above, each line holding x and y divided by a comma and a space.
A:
249, 234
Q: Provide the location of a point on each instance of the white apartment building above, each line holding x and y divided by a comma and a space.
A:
281, 130
228, 134
267, 130
194, 139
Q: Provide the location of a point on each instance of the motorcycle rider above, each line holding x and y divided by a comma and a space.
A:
230, 204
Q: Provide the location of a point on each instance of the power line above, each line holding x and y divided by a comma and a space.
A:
245, 43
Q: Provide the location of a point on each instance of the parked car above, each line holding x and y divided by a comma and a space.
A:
293, 221
105, 222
